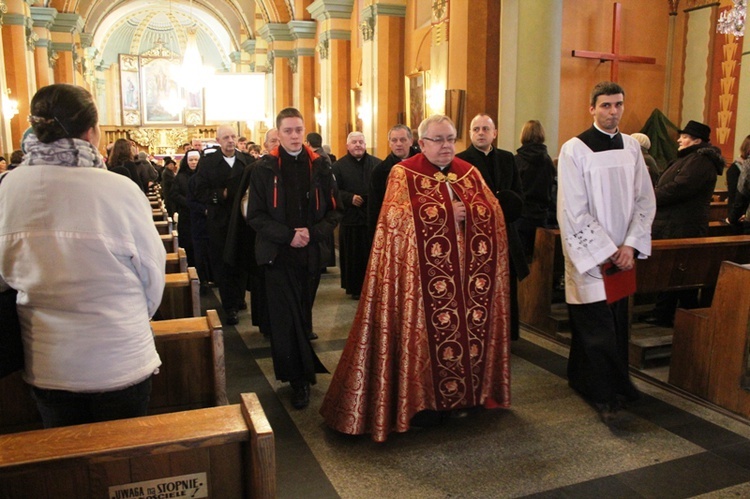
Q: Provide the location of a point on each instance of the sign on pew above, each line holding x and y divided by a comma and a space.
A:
233, 446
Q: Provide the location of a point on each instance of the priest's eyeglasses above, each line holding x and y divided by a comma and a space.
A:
441, 141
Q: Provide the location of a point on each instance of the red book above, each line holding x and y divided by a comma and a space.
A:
618, 284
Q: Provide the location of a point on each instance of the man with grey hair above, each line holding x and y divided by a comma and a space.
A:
431, 330
352, 174
216, 183
400, 141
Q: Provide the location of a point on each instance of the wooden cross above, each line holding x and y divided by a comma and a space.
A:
615, 55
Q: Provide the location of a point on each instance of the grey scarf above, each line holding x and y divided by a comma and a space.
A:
63, 152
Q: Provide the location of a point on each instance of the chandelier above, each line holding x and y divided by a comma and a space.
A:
192, 75
732, 21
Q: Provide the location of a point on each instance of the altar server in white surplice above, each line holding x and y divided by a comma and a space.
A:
605, 207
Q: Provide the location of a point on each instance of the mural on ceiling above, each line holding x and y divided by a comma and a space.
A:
151, 94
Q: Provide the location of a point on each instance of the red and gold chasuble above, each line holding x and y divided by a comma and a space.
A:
431, 330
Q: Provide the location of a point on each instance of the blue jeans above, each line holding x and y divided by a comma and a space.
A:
63, 408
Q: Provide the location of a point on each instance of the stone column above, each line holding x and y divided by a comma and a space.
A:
303, 69
383, 30
531, 37
334, 46
18, 45
5, 131
43, 17
280, 51
64, 30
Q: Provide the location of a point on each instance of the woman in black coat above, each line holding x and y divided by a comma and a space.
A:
538, 179
178, 195
121, 161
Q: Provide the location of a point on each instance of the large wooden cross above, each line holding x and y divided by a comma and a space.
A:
615, 55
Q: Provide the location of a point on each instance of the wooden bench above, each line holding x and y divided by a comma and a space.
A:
226, 452
710, 349
674, 264
719, 210
192, 374
177, 262
171, 241
181, 296
164, 226
160, 214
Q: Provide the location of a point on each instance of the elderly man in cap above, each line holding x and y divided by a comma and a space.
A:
683, 199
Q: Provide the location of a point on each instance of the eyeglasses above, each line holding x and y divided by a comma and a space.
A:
441, 140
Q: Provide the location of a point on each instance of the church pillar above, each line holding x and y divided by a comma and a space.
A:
529, 70
334, 46
383, 30
743, 95
64, 29
302, 64
280, 51
5, 131
43, 17
18, 45
248, 47
86, 57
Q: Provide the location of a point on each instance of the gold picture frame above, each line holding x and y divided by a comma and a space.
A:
416, 98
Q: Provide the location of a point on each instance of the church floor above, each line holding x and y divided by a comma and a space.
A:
549, 444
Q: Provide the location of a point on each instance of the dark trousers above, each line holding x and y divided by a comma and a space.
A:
63, 408
598, 362
667, 302
290, 289
231, 280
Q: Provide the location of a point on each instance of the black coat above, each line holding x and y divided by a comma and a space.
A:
504, 180
376, 191
684, 193
213, 177
353, 177
537, 174
267, 208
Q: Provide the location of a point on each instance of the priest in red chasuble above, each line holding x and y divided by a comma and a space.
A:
432, 328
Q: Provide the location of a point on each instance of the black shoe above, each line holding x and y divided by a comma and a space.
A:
355, 297
312, 336
204, 289
607, 411
232, 318
243, 305
301, 396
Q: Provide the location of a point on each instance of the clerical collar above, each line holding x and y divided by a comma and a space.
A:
485, 153
293, 154
611, 135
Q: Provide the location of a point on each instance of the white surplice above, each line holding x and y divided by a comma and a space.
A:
605, 199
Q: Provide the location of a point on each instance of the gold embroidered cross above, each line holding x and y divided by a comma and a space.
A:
441, 177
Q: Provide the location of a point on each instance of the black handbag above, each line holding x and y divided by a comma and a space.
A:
11, 345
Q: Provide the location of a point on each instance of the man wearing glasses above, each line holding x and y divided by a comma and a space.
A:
498, 168
431, 334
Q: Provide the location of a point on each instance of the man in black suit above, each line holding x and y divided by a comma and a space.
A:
498, 168
216, 184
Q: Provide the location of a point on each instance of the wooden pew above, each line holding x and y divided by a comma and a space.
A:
171, 241
160, 214
181, 296
192, 374
164, 226
227, 452
177, 262
719, 210
709, 353
674, 264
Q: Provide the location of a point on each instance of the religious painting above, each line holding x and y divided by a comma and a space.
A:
194, 107
130, 90
162, 96
455, 104
416, 96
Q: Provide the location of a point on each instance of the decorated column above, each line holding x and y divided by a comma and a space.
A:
383, 30
64, 30
18, 46
302, 64
334, 45
43, 17
280, 51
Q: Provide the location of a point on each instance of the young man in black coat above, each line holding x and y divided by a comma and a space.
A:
498, 168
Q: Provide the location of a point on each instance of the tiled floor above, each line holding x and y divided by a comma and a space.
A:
550, 444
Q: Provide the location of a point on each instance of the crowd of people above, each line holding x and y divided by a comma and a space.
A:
432, 242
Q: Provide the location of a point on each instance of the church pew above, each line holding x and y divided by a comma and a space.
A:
160, 214
674, 264
720, 195
177, 262
181, 296
170, 241
192, 374
719, 210
226, 452
164, 226
709, 352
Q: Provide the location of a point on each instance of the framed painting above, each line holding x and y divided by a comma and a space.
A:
194, 107
159, 90
130, 90
416, 88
